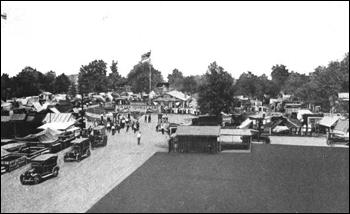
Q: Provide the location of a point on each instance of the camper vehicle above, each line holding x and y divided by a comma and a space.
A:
42, 167
80, 148
11, 162
99, 137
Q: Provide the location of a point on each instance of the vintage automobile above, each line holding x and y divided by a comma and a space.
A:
260, 137
337, 139
98, 137
80, 148
42, 167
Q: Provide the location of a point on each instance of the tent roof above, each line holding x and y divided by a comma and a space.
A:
245, 124
198, 131
45, 136
178, 95
302, 112
60, 117
328, 121
57, 125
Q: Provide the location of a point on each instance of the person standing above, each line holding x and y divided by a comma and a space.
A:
138, 138
145, 118
127, 126
137, 126
113, 128
162, 128
149, 118
118, 127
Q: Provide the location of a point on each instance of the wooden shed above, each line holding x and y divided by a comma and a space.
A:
198, 139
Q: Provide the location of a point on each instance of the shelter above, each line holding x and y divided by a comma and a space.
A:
198, 139
59, 117
302, 112
45, 136
342, 127
235, 139
327, 123
245, 124
58, 125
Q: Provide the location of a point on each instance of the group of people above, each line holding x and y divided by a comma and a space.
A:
148, 118
121, 122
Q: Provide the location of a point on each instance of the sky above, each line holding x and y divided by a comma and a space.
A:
239, 36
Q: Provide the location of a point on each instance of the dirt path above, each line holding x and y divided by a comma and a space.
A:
81, 185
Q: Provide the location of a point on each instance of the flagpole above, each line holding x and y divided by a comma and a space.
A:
150, 75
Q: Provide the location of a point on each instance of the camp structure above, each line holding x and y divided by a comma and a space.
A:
235, 140
198, 139
327, 123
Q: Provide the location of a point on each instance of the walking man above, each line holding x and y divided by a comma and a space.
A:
113, 129
145, 118
137, 126
149, 118
138, 138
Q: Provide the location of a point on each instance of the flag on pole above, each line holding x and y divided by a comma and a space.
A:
146, 56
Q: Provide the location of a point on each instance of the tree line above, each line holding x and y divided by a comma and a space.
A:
215, 88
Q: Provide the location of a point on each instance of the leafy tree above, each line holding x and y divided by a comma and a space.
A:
190, 85
279, 75
73, 89
62, 84
246, 84
48, 81
27, 83
216, 93
176, 80
138, 78
294, 81
115, 78
5, 86
92, 77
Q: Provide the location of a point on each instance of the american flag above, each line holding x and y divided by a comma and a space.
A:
146, 56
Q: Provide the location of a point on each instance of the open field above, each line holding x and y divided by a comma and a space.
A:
273, 178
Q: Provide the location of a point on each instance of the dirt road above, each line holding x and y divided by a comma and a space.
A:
81, 185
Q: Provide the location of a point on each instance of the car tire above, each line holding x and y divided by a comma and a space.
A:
37, 179
55, 172
330, 142
21, 178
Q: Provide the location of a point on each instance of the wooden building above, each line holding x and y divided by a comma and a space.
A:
198, 139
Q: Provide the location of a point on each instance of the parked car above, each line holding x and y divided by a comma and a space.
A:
11, 162
335, 138
42, 167
99, 136
79, 149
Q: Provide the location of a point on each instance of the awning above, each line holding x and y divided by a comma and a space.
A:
57, 125
328, 121
245, 124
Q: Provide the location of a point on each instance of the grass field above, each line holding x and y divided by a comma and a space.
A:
273, 178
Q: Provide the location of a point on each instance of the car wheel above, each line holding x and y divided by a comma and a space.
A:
37, 179
21, 178
330, 142
55, 173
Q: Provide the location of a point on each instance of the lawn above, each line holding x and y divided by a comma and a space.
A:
273, 178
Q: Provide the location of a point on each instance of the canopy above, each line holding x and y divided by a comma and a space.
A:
245, 124
57, 125
302, 112
46, 136
328, 121
279, 129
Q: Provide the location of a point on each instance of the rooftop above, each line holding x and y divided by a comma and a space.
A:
198, 131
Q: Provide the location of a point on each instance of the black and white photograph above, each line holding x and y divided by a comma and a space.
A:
175, 106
